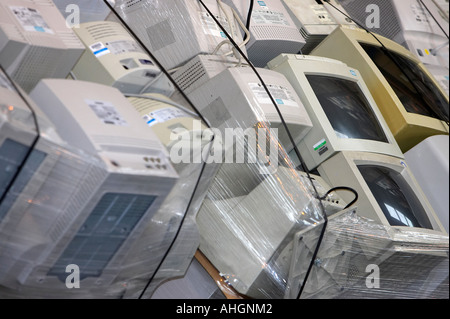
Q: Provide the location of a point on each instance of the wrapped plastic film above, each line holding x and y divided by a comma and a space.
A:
361, 259
176, 31
71, 208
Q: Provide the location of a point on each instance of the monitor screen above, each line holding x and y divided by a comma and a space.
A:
414, 88
347, 109
395, 197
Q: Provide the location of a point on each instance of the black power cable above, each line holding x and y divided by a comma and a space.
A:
344, 188
164, 70
249, 16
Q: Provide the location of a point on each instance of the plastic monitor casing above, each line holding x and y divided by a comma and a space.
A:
235, 98
272, 30
295, 68
342, 169
429, 162
113, 57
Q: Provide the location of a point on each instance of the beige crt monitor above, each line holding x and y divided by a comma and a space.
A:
394, 80
345, 117
35, 42
272, 30
113, 57
315, 20
175, 31
235, 98
98, 202
388, 191
247, 238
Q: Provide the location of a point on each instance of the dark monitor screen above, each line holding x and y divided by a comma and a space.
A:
415, 89
395, 197
347, 109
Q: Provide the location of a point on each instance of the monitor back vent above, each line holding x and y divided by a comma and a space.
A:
389, 25
190, 76
101, 30
92, 179
276, 33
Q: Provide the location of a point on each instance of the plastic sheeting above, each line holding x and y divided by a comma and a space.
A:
121, 250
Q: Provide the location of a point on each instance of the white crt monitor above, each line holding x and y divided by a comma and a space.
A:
100, 202
235, 98
315, 20
35, 42
272, 30
412, 102
408, 23
345, 117
388, 191
175, 31
113, 57
247, 238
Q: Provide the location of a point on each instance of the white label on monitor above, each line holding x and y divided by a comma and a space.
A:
164, 115
123, 46
322, 13
321, 147
211, 27
99, 49
269, 17
31, 19
280, 94
419, 14
106, 112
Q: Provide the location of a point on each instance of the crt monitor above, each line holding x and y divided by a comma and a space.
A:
388, 191
411, 101
248, 237
235, 98
272, 30
175, 31
35, 42
344, 114
113, 57
97, 200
